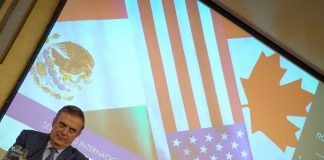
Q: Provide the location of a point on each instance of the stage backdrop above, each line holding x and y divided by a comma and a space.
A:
166, 80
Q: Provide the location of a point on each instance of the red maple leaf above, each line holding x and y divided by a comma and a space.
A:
270, 103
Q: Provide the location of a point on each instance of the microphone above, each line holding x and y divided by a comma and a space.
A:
32, 154
16, 152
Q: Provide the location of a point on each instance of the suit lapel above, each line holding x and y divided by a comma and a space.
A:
66, 154
38, 148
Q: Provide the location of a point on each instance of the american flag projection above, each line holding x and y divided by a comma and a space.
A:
194, 82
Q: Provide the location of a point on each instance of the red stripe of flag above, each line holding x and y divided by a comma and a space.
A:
157, 66
227, 67
75, 10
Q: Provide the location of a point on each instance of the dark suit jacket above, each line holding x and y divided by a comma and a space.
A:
36, 143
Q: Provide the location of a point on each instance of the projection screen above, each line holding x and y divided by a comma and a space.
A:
168, 80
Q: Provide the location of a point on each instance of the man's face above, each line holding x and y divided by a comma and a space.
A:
65, 128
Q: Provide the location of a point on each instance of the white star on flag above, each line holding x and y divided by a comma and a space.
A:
244, 154
187, 152
209, 138
229, 156
213, 157
193, 140
224, 136
234, 145
203, 149
176, 143
219, 147
239, 134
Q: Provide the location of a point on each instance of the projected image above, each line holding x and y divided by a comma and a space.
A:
163, 80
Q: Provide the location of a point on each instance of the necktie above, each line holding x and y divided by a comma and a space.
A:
51, 156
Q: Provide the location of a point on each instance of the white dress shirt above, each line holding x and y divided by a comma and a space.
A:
48, 151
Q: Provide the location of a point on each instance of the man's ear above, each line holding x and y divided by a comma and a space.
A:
79, 132
54, 121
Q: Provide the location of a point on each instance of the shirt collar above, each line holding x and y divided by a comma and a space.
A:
49, 145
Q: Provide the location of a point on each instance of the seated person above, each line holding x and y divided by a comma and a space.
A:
56, 145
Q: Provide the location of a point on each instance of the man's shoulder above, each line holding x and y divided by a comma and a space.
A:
31, 135
76, 153
33, 132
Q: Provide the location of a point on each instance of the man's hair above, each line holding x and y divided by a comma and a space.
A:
73, 110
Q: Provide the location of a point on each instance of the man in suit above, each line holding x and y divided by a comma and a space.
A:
56, 145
